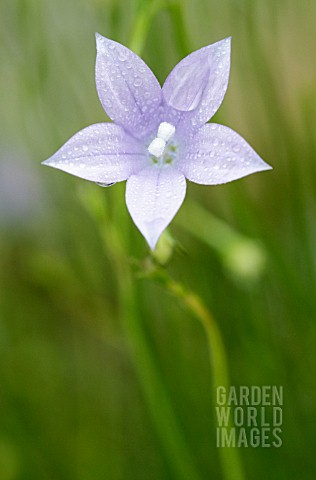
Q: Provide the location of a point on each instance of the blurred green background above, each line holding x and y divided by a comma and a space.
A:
104, 375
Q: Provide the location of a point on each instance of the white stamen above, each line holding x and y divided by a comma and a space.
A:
165, 131
157, 147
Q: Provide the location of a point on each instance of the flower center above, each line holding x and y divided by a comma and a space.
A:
161, 148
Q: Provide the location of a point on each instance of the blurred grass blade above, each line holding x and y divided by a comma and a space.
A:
243, 257
147, 11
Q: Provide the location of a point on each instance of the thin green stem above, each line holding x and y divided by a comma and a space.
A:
230, 458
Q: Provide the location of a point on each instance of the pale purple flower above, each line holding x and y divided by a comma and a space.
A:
159, 136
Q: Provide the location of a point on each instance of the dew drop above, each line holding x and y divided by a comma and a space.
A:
105, 185
122, 57
137, 82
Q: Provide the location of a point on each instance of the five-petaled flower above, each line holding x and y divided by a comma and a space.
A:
159, 136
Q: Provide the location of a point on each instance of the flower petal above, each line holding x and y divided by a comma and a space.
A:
199, 82
128, 90
216, 154
102, 153
153, 197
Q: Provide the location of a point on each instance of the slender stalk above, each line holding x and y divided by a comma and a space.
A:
230, 458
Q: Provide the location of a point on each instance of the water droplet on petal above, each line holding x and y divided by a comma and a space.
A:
122, 56
105, 184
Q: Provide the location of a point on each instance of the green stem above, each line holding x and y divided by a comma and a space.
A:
230, 458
